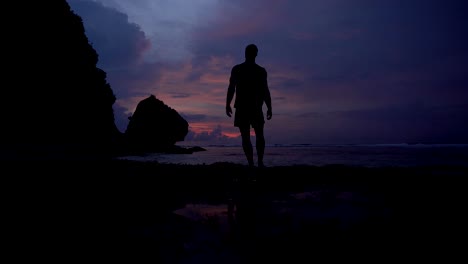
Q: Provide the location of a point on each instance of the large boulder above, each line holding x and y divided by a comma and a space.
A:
154, 126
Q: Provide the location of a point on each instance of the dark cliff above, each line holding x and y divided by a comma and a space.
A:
55, 94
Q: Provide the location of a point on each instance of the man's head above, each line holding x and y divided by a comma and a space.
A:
251, 52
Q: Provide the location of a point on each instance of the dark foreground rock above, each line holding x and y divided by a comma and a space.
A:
228, 213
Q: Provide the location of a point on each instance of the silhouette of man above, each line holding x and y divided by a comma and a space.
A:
249, 83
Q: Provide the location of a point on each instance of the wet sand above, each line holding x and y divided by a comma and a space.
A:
226, 213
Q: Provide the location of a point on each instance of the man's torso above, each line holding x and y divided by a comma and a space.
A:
251, 82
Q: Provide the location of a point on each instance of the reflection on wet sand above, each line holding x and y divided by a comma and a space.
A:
239, 209
231, 225
256, 222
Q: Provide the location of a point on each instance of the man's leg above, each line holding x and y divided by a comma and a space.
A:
246, 144
260, 144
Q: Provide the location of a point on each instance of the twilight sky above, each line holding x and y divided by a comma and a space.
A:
339, 71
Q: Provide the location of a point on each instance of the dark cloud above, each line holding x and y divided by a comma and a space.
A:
214, 137
180, 95
279, 98
193, 117
290, 83
352, 38
119, 43
397, 124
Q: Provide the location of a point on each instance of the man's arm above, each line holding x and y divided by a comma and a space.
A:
268, 99
230, 93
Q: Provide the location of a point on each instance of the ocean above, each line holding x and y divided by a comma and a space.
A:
372, 155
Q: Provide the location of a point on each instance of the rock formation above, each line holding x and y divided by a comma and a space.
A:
55, 95
154, 126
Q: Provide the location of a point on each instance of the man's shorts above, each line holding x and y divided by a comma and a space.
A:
244, 118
